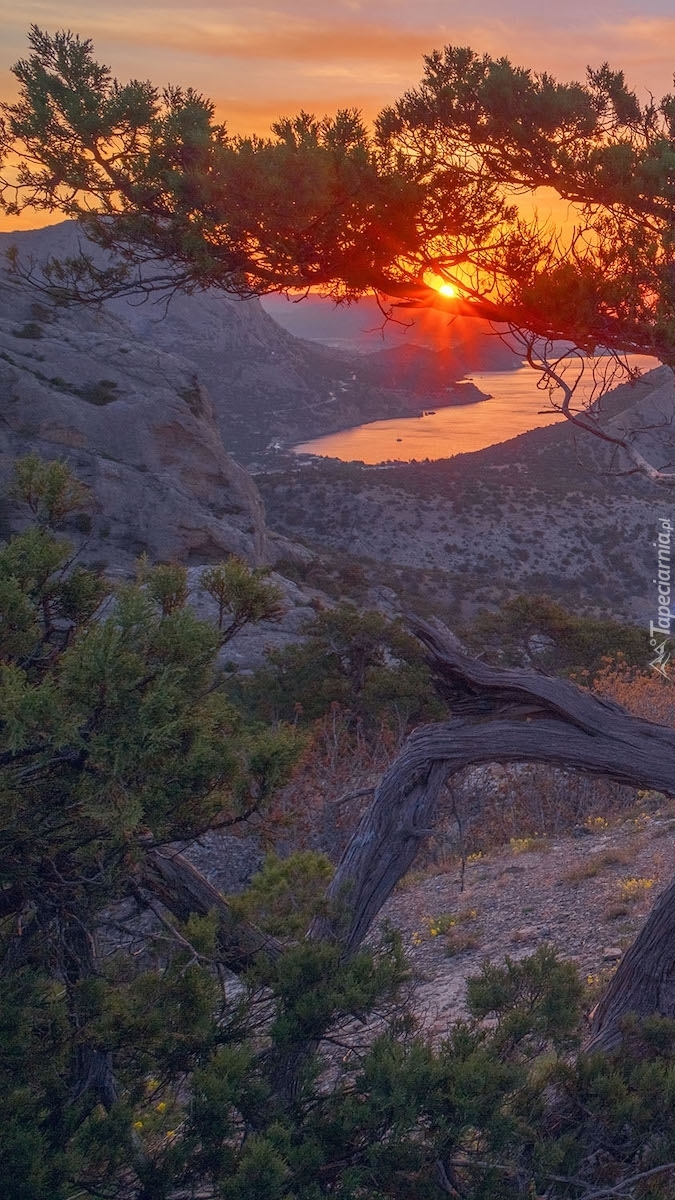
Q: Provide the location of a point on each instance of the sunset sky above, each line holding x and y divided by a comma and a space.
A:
262, 60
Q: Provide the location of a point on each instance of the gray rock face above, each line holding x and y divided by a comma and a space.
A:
650, 422
229, 863
248, 650
134, 422
267, 385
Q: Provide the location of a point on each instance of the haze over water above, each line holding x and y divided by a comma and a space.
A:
515, 407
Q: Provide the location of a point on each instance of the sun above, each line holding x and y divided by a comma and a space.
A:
448, 289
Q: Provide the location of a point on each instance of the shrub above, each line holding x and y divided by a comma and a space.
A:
105, 391
634, 889
30, 330
537, 630
361, 661
643, 692
287, 893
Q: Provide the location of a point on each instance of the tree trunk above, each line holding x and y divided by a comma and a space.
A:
509, 716
93, 1081
405, 803
644, 983
180, 887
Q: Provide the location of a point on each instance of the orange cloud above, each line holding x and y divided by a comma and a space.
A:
656, 33
644, 41
315, 43
264, 59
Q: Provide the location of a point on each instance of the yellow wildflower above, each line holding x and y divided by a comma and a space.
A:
631, 889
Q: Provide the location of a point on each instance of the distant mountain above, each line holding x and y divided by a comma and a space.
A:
362, 327
266, 384
426, 372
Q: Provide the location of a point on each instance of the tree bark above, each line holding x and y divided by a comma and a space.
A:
644, 983
93, 1080
180, 887
509, 716
405, 803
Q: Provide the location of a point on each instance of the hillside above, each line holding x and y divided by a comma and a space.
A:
568, 892
138, 427
267, 385
538, 513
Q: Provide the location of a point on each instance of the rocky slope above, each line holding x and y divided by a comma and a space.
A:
540, 513
135, 424
586, 895
138, 427
267, 385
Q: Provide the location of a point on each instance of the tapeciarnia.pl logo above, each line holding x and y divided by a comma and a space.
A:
659, 630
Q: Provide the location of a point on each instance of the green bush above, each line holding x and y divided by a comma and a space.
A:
284, 896
361, 661
534, 629
30, 330
105, 391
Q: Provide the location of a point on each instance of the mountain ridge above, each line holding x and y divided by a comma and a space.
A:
266, 384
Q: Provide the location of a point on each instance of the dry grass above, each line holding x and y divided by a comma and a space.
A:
461, 941
632, 890
594, 866
527, 845
616, 910
522, 805
523, 937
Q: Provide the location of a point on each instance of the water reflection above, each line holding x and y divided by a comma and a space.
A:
515, 406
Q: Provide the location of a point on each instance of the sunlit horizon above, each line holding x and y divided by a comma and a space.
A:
270, 59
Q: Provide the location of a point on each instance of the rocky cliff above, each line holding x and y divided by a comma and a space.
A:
134, 422
267, 385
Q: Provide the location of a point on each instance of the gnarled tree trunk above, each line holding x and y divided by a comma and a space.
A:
644, 983
510, 716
